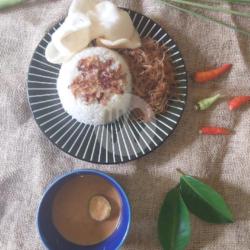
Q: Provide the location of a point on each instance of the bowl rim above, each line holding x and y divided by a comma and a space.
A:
76, 172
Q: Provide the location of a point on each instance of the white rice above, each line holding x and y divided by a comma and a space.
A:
93, 113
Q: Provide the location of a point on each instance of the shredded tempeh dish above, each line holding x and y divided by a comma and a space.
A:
152, 72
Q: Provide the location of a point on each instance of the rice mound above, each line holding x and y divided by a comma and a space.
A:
94, 113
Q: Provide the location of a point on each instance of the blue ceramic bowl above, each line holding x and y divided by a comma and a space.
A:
54, 241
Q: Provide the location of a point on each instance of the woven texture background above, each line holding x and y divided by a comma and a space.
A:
29, 162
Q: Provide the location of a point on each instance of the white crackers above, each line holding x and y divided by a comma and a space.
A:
88, 20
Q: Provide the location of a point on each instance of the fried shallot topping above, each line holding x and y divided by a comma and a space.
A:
98, 80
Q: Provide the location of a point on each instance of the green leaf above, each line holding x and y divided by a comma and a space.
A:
174, 228
8, 3
204, 202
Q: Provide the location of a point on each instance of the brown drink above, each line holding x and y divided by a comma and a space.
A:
86, 210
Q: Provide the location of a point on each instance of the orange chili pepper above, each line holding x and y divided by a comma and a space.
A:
214, 131
238, 101
205, 76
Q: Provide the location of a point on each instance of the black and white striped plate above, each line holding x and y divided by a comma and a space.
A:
120, 141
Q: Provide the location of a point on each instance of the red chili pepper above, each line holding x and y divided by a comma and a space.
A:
214, 131
238, 101
205, 76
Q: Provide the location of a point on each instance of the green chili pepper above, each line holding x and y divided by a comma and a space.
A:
207, 102
8, 3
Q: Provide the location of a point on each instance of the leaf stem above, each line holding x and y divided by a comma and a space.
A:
207, 18
237, 1
212, 8
180, 171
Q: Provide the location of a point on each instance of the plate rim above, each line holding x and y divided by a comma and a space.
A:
174, 127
